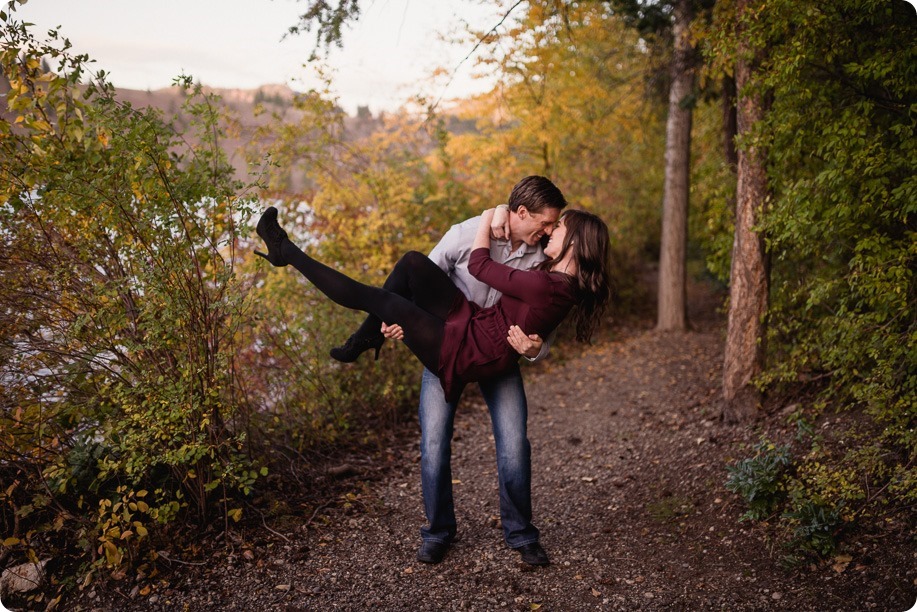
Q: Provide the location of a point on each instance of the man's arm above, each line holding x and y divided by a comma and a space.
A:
393, 331
531, 346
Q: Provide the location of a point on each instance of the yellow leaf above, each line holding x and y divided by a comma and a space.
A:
11, 541
112, 554
841, 562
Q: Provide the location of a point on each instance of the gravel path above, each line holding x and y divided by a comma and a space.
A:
628, 476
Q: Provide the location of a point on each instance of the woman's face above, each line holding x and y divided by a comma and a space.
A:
556, 242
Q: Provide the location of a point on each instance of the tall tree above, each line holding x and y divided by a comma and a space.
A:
672, 309
749, 276
667, 24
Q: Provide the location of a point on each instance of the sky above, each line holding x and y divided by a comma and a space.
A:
388, 55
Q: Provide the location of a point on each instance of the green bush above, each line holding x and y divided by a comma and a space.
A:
760, 480
121, 313
841, 78
841, 225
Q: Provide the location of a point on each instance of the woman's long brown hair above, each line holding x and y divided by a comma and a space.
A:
587, 235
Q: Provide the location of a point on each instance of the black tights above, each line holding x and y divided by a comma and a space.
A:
417, 295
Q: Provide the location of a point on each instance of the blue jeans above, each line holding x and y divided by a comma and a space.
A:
505, 397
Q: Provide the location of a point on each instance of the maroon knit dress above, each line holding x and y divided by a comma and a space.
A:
474, 341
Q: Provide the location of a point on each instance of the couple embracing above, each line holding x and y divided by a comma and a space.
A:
488, 293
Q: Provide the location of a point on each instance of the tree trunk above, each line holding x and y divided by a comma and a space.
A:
749, 275
672, 313
730, 128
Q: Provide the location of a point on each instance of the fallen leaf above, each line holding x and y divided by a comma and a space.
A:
841, 562
596, 593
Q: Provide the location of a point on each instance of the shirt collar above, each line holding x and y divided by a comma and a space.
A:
524, 249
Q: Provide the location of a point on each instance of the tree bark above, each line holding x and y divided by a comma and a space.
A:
730, 127
749, 275
672, 308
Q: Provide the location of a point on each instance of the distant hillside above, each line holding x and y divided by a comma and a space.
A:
275, 100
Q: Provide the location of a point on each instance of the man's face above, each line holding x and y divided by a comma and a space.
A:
529, 227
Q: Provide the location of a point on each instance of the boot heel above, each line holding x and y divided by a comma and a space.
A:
355, 346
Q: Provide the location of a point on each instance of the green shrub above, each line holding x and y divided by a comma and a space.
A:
841, 224
841, 79
121, 313
814, 529
760, 480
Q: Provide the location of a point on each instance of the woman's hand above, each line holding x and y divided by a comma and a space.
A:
482, 238
499, 224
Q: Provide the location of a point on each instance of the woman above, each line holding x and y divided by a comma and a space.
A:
451, 336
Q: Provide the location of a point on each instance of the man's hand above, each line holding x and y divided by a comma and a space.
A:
529, 346
499, 225
392, 332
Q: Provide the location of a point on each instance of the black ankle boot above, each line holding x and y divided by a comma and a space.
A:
355, 346
273, 236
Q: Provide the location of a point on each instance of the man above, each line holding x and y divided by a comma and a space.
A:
533, 209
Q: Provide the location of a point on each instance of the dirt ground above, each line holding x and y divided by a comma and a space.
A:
629, 462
